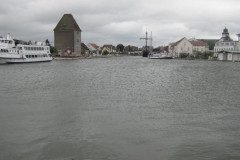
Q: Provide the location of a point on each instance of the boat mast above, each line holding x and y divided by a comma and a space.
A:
146, 51
150, 48
146, 40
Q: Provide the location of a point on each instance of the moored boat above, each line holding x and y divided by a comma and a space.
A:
160, 56
22, 53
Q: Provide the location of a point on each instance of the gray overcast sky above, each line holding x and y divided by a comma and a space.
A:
125, 21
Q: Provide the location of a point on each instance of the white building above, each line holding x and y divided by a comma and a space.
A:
94, 49
199, 46
187, 46
225, 43
226, 49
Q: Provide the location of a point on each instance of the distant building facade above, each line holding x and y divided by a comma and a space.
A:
108, 47
84, 50
227, 49
191, 47
67, 36
199, 46
94, 49
224, 44
181, 46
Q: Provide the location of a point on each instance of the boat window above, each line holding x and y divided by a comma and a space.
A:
32, 56
6, 41
25, 48
20, 48
10, 42
32, 48
35, 56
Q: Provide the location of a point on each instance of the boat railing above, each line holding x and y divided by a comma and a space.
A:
30, 43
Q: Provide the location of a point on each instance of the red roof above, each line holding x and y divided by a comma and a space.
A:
198, 43
94, 45
177, 42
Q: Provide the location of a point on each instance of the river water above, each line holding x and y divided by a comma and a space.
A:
120, 108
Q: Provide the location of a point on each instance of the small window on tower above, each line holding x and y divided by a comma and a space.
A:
64, 26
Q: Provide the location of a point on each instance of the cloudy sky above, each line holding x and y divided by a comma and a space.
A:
125, 21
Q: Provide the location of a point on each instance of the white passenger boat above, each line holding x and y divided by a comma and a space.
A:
160, 56
21, 53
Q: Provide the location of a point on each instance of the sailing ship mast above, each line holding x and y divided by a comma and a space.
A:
145, 53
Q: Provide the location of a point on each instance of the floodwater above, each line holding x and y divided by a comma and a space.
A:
120, 108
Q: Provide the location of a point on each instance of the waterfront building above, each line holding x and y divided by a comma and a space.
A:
108, 47
94, 49
84, 50
180, 47
225, 43
185, 46
67, 36
199, 46
227, 49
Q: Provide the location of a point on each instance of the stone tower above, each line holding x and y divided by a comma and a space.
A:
67, 36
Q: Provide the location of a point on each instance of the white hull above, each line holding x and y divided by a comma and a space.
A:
167, 57
28, 60
160, 56
23, 53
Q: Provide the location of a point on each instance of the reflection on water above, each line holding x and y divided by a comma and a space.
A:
120, 108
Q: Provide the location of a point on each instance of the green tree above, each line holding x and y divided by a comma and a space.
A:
120, 47
105, 52
53, 50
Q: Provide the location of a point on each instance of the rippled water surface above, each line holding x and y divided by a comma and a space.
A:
120, 108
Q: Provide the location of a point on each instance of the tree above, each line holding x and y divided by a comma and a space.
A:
105, 52
120, 47
53, 50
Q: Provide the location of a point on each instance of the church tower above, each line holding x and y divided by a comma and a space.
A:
67, 36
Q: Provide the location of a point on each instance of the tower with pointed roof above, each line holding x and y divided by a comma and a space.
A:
225, 43
67, 36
